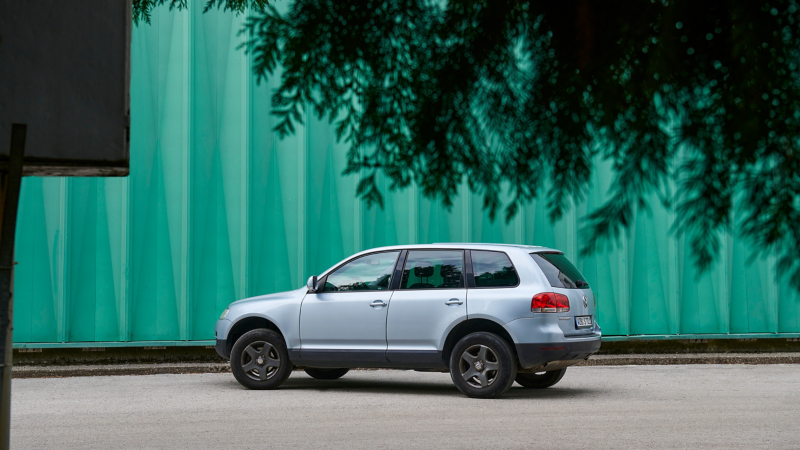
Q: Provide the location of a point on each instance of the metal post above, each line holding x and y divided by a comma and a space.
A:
10, 181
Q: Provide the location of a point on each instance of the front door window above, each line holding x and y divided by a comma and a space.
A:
367, 273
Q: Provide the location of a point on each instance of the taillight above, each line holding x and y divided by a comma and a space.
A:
549, 302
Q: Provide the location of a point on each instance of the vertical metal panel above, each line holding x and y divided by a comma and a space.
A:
218, 208
38, 293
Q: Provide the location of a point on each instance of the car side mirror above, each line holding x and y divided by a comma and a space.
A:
311, 284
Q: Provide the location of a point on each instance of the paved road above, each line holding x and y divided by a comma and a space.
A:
691, 406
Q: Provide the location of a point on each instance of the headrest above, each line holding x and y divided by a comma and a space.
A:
423, 272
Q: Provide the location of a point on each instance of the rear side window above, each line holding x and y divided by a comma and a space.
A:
559, 271
493, 269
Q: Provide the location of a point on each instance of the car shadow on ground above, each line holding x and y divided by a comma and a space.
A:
394, 387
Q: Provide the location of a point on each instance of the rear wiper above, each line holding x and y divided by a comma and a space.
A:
580, 283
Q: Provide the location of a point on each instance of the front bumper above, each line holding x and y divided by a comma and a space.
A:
221, 333
222, 349
537, 355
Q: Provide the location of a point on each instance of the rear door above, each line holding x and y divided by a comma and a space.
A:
566, 279
432, 296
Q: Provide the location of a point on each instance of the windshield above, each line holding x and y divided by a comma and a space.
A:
559, 270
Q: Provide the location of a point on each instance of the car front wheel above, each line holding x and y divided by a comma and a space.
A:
483, 365
259, 360
326, 374
540, 380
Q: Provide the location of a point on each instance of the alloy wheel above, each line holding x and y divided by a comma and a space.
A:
479, 366
260, 361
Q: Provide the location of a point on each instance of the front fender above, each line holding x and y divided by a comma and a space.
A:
282, 312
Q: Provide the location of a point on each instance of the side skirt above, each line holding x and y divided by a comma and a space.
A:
358, 359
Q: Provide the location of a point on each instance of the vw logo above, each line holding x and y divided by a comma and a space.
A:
585, 302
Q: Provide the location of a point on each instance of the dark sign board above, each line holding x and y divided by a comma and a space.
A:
65, 74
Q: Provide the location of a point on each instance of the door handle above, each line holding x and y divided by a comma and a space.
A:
377, 303
453, 301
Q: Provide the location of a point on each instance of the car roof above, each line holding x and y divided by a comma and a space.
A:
447, 245
466, 245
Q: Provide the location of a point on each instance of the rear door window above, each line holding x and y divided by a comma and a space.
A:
559, 270
433, 269
493, 269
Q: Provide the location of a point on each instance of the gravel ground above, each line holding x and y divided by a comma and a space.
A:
659, 406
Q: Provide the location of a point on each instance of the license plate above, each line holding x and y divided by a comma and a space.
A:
583, 321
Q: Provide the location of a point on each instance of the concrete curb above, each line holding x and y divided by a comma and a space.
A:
221, 367
117, 369
693, 358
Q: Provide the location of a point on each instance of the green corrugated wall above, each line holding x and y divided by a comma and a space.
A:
217, 208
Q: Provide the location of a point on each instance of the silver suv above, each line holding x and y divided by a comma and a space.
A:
490, 314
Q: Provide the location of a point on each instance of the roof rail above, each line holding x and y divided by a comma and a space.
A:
486, 243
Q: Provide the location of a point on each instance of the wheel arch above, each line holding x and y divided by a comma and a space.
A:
249, 323
471, 326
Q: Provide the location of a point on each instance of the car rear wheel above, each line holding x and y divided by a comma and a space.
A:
483, 365
540, 380
259, 360
326, 374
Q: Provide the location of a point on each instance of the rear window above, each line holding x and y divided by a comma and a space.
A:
559, 271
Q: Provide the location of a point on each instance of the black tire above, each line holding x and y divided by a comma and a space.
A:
541, 380
326, 374
271, 370
477, 353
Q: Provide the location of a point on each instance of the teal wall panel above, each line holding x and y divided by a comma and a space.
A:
217, 208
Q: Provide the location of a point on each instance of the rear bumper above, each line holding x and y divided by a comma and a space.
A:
535, 355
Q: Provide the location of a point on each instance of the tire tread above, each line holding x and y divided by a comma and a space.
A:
534, 381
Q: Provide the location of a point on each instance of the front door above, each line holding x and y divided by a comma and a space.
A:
431, 299
345, 324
